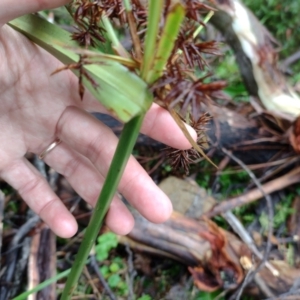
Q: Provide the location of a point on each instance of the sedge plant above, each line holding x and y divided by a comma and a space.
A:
160, 66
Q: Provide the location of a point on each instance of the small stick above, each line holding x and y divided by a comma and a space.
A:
131, 273
90, 280
106, 287
247, 239
13, 252
249, 278
263, 286
133, 31
255, 194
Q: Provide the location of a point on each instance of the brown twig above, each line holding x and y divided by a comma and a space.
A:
238, 294
91, 282
106, 287
253, 167
263, 286
292, 295
20, 267
246, 238
13, 252
255, 194
131, 273
135, 38
270, 219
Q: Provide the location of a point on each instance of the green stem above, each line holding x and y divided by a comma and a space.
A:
42, 285
167, 40
200, 27
110, 31
113, 37
127, 5
68, 7
154, 15
118, 164
133, 31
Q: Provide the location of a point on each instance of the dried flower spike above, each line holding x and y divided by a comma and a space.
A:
181, 159
87, 17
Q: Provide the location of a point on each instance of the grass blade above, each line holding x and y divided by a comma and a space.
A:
154, 15
122, 92
42, 285
121, 156
133, 31
166, 44
115, 43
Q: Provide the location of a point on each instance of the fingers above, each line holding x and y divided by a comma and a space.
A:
160, 125
95, 141
10, 10
118, 218
87, 182
34, 189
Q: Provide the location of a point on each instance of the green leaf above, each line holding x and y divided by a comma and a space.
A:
105, 271
114, 280
114, 268
154, 14
106, 242
108, 238
115, 43
166, 44
122, 92
127, 140
42, 285
145, 297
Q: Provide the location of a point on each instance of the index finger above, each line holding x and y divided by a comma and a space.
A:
158, 124
92, 139
10, 10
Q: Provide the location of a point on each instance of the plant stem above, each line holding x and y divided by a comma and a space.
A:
167, 40
116, 45
127, 5
117, 167
68, 7
133, 31
121, 91
154, 15
207, 18
42, 285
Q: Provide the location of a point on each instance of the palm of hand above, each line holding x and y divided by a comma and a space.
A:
28, 90
36, 108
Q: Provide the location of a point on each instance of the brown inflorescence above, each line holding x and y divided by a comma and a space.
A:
181, 159
179, 88
196, 8
193, 50
87, 17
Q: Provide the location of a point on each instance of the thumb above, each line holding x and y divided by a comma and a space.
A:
10, 10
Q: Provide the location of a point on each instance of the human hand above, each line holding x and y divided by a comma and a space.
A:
37, 108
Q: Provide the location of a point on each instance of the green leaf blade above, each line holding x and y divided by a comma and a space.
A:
155, 12
166, 44
122, 92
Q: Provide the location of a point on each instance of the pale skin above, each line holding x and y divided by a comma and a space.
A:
36, 108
